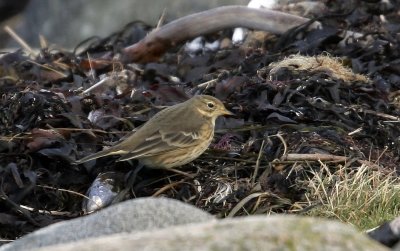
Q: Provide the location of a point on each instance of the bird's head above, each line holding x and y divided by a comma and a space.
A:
209, 106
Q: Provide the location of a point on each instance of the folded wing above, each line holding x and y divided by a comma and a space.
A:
161, 142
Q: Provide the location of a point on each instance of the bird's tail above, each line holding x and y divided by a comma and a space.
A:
107, 152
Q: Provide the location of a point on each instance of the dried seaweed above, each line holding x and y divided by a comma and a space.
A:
49, 117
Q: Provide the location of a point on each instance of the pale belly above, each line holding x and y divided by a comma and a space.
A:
174, 158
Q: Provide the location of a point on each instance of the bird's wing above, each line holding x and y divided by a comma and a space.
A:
161, 142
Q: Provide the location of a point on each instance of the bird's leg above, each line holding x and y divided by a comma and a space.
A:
131, 176
130, 181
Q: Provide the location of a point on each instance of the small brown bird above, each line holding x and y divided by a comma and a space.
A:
173, 137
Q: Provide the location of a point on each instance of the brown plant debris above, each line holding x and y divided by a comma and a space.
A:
332, 67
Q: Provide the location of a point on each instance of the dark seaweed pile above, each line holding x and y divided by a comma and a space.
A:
46, 121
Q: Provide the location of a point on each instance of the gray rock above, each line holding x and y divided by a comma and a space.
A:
388, 233
279, 232
129, 216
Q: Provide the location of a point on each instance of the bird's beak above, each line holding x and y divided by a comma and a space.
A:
226, 112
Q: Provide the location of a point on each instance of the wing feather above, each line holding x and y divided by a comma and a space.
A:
161, 142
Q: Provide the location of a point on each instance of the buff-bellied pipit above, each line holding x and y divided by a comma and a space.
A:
173, 137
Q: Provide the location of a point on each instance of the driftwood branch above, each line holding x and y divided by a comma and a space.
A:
324, 157
313, 157
159, 40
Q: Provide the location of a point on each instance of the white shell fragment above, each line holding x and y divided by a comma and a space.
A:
200, 45
195, 46
102, 191
239, 34
222, 192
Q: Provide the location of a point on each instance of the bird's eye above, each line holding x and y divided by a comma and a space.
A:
210, 105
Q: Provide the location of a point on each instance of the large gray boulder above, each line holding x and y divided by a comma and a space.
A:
126, 217
279, 232
388, 234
